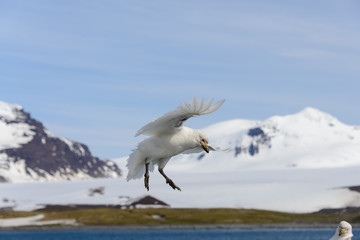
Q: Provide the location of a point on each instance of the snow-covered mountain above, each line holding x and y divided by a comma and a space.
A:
29, 152
302, 162
308, 139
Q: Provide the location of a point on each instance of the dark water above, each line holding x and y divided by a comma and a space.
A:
254, 234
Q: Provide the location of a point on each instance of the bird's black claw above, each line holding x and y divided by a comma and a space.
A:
172, 184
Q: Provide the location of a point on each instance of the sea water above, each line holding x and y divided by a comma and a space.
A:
213, 234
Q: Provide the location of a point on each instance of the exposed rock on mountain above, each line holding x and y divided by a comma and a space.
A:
29, 152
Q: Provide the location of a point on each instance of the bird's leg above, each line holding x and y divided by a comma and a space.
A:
168, 180
146, 176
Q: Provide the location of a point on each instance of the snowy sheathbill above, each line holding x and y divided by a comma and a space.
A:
168, 137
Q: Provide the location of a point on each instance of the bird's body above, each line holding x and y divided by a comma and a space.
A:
343, 231
168, 137
170, 144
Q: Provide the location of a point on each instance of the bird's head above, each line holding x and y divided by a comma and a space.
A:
203, 141
345, 230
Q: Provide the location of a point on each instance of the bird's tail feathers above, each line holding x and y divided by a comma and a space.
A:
136, 165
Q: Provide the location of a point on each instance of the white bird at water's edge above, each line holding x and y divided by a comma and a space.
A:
343, 232
168, 137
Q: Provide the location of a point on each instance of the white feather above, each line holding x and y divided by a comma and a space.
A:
173, 120
211, 148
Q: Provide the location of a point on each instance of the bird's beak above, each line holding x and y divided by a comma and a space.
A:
205, 147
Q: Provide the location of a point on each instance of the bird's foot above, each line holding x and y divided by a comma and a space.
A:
172, 184
146, 181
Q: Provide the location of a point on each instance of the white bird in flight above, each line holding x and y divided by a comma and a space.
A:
343, 232
168, 137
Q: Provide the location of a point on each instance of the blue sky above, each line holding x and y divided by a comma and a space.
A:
96, 71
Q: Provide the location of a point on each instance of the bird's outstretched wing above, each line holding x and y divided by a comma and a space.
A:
175, 119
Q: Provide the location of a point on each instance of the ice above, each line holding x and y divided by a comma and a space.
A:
34, 221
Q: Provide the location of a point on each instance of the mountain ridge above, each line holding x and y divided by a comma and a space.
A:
29, 152
309, 138
295, 164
